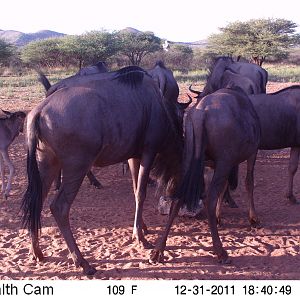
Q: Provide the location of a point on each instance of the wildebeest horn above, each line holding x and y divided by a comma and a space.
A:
186, 104
194, 91
6, 112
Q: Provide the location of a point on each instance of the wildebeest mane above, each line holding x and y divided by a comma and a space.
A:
132, 76
160, 63
285, 89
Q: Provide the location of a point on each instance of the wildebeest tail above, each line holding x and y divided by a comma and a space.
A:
32, 200
192, 185
44, 80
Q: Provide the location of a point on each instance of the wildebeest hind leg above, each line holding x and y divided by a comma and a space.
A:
253, 218
215, 191
134, 166
48, 169
293, 166
60, 208
157, 254
140, 195
93, 180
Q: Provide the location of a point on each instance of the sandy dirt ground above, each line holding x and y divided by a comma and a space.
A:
102, 224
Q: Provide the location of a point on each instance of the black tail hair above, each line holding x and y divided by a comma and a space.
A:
192, 187
32, 200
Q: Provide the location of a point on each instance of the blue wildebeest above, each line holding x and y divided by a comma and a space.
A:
279, 115
114, 118
226, 73
11, 124
224, 128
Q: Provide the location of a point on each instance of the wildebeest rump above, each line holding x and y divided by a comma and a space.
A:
224, 128
74, 80
99, 124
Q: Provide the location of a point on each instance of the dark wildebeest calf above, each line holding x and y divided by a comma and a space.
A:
11, 124
121, 116
224, 128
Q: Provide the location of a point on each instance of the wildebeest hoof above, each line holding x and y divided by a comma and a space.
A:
255, 223
97, 185
156, 256
89, 270
37, 255
223, 257
143, 243
232, 204
293, 199
146, 245
225, 260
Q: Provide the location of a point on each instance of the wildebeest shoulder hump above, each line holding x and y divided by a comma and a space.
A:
131, 75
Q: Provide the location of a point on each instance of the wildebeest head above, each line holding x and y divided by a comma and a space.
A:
16, 119
165, 81
99, 67
224, 72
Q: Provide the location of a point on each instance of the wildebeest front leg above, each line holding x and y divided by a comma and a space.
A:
60, 208
293, 166
2, 174
11, 173
140, 195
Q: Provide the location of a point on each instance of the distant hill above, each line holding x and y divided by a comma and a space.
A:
20, 38
197, 44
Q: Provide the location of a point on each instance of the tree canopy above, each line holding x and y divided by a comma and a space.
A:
6, 51
136, 45
256, 39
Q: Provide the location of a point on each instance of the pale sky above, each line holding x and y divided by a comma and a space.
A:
175, 20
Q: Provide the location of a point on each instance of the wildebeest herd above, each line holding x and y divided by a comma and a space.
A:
99, 118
